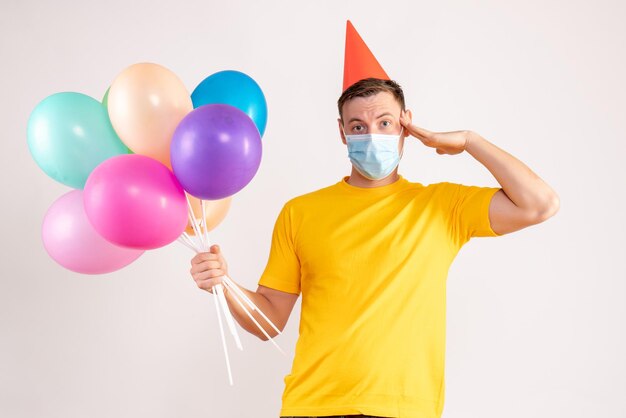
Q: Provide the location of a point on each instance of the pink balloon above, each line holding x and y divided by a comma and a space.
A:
136, 202
72, 242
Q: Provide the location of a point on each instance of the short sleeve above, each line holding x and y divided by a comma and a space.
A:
470, 212
282, 271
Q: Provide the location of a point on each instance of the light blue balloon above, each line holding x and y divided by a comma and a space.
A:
236, 89
70, 134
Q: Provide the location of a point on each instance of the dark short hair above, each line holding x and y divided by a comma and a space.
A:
368, 87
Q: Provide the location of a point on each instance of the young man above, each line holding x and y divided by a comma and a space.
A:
370, 256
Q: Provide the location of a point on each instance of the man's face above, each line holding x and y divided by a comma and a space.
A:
376, 114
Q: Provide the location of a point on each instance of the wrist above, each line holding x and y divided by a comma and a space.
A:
470, 138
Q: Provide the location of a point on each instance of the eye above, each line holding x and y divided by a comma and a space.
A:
386, 123
357, 128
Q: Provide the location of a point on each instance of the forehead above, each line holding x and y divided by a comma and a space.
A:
368, 106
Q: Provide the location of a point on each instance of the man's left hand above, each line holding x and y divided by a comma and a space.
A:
444, 142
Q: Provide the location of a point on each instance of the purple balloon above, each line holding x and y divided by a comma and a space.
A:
215, 151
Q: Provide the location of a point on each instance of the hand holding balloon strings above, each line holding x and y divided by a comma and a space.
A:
227, 281
201, 232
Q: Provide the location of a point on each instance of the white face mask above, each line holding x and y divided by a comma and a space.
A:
375, 156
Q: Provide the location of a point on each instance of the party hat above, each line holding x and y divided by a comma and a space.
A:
359, 62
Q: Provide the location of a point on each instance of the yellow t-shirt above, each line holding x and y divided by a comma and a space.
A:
371, 264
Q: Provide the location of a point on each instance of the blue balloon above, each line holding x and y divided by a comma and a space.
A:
236, 89
69, 134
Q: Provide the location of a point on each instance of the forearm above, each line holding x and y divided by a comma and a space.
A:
522, 186
244, 320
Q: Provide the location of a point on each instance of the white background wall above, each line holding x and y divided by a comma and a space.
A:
535, 318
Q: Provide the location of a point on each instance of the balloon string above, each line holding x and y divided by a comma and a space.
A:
194, 223
204, 225
187, 240
240, 303
219, 319
192, 241
196, 228
219, 289
202, 234
201, 231
232, 285
187, 244
237, 294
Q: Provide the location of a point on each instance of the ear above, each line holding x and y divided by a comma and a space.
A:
409, 116
343, 138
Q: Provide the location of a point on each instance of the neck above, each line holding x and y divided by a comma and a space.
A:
356, 179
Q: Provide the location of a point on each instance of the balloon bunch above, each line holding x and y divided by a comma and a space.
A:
150, 165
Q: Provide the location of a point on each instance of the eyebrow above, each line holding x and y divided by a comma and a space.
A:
377, 117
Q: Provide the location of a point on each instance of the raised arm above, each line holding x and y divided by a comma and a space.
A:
525, 199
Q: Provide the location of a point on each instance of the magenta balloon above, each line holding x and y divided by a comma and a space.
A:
136, 202
72, 242
215, 151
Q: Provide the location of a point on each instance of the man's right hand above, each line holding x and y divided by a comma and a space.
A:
208, 269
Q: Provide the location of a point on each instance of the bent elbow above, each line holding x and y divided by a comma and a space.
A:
550, 209
264, 337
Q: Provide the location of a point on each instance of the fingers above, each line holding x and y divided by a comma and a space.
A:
404, 121
208, 268
420, 132
200, 257
445, 142
211, 268
205, 265
201, 276
214, 254
209, 283
416, 131
207, 274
